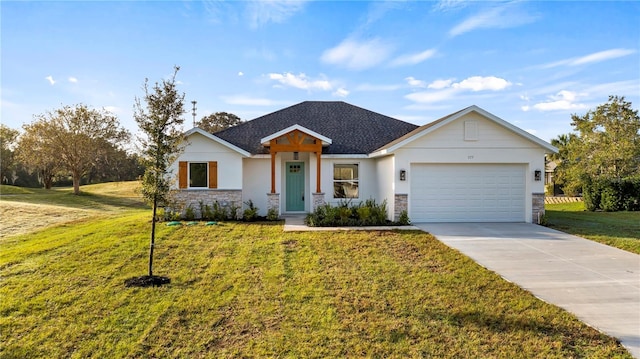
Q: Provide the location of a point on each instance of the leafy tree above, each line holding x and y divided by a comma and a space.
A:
74, 138
161, 123
218, 121
606, 146
8, 137
35, 151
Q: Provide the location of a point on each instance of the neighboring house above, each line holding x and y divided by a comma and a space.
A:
470, 166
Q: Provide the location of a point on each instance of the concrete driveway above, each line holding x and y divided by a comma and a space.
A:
597, 283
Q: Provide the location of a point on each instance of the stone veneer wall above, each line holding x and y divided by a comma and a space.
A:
273, 201
401, 203
318, 200
537, 208
226, 198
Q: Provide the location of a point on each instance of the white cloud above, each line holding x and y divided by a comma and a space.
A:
73, 80
563, 100
479, 83
413, 59
247, 101
301, 81
357, 55
341, 92
265, 11
591, 58
50, 79
440, 84
499, 17
414, 82
447, 89
240, 73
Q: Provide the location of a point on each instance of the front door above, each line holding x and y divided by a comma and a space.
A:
295, 186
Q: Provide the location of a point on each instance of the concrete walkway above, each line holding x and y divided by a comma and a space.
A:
597, 283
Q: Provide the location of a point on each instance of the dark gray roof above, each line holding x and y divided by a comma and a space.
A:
353, 130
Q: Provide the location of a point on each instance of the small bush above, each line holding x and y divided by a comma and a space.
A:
232, 214
367, 213
189, 214
219, 212
272, 214
404, 220
251, 213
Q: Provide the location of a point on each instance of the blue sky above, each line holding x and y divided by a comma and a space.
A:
530, 63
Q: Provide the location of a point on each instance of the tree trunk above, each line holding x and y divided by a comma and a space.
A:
153, 234
76, 182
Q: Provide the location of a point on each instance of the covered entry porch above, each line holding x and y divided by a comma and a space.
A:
297, 152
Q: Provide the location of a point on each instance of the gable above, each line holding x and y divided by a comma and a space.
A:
471, 130
470, 127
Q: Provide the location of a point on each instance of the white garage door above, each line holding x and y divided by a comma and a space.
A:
467, 193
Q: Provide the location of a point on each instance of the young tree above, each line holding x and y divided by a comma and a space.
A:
161, 123
218, 121
74, 137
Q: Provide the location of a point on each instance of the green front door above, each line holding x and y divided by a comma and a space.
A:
295, 186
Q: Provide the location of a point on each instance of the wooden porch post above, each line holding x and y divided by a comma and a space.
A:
318, 155
273, 172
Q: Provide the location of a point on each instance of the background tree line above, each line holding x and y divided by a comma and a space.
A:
601, 158
76, 145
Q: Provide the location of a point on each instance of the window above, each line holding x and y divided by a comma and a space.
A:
345, 181
198, 175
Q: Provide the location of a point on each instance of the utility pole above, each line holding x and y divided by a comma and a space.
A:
194, 112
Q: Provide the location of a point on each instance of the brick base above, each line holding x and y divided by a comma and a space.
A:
400, 203
273, 201
537, 207
182, 199
318, 200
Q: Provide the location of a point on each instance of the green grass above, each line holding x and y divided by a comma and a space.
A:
105, 196
617, 229
251, 290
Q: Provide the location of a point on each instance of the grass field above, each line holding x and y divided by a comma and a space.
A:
617, 229
24, 210
251, 290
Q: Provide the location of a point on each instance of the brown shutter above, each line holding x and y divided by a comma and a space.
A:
213, 174
182, 174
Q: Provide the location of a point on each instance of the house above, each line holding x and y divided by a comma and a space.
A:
469, 166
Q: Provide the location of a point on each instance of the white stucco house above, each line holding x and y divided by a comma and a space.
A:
469, 166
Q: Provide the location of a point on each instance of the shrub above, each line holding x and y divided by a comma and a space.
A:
272, 214
219, 213
232, 214
404, 220
189, 214
367, 213
251, 213
613, 195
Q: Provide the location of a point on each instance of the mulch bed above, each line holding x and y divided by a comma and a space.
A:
146, 281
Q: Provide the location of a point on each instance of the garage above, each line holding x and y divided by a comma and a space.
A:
467, 193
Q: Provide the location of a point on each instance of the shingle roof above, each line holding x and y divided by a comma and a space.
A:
352, 129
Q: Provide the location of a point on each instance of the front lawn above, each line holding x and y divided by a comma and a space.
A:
251, 290
617, 229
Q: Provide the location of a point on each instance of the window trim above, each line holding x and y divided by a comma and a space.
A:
334, 181
206, 178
